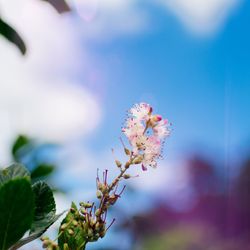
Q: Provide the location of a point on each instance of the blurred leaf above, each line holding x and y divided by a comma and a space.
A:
16, 211
20, 142
42, 170
10, 34
45, 207
15, 170
60, 5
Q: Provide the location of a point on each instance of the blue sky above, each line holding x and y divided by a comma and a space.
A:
201, 83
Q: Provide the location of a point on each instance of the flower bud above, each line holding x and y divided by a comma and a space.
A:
70, 231
98, 194
156, 118
63, 226
65, 246
43, 238
102, 187
90, 232
127, 164
85, 204
46, 243
54, 246
97, 212
83, 211
75, 223
92, 222
138, 159
126, 176
97, 226
118, 163
127, 151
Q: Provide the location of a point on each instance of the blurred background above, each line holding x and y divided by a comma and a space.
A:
71, 69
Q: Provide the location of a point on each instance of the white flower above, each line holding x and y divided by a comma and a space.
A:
152, 151
133, 128
161, 129
146, 133
141, 111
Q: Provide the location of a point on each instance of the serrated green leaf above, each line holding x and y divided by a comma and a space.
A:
42, 170
10, 34
15, 170
45, 207
35, 235
16, 211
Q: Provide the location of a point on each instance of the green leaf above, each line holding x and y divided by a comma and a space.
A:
42, 170
34, 236
44, 215
79, 240
45, 207
16, 211
10, 34
15, 170
60, 5
20, 142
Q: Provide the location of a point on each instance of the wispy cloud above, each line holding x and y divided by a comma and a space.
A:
109, 18
201, 16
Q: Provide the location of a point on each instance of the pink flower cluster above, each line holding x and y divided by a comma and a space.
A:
146, 133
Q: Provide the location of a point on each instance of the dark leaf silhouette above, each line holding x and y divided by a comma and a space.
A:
9, 33
60, 5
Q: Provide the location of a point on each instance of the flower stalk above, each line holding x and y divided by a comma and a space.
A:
146, 134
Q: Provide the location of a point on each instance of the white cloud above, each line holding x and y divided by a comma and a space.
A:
201, 16
38, 94
110, 18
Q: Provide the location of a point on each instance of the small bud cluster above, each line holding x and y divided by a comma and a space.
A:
49, 244
84, 219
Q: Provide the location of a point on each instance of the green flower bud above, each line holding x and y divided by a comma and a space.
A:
92, 222
43, 238
85, 204
98, 212
65, 246
63, 226
70, 231
75, 223
90, 232
83, 211
97, 226
98, 194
